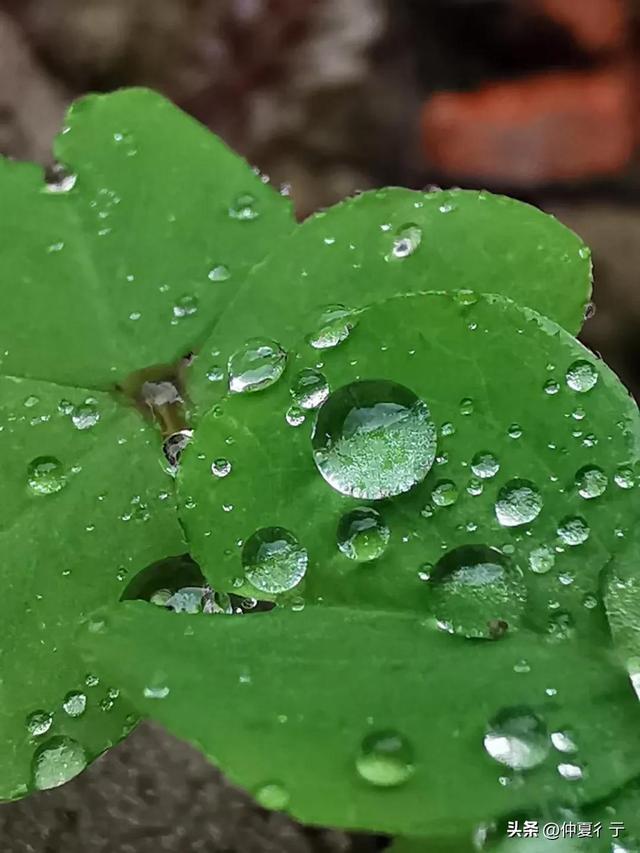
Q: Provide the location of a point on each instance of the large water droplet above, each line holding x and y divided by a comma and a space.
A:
256, 365
581, 376
273, 560
39, 723
385, 759
334, 326
406, 242
517, 738
519, 502
485, 465
573, 530
362, 534
475, 591
591, 482
374, 439
310, 389
46, 476
542, 559
57, 761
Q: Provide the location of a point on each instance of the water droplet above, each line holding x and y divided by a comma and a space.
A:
86, 415
295, 416
75, 703
220, 467
445, 493
570, 772
541, 560
273, 796
256, 365
475, 591
485, 465
385, 759
362, 534
57, 761
273, 560
551, 387
243, 208
573, 530
374, 439
624, 478
582, 376
514, 431
406, 242
335, 324
39, 723
447, 429
219, 273
563, 742
186, 306
310, 389
174, 446
517, 738
466, 297
519, 502
466, 406
156, 691
215, 373
591, 482
46, 476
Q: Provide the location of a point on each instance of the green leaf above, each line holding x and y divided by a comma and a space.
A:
398, 241
290, 701
86, 503
132, 266
485, 371
621, 587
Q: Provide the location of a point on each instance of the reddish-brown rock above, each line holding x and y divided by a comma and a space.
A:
559, 126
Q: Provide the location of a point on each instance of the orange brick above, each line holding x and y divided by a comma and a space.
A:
562, 126
596, 25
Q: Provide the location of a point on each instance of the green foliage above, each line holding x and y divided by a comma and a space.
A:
397, 442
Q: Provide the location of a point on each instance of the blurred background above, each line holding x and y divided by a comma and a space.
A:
535, 98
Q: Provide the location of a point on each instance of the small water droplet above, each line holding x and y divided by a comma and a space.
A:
45, 475
406, 242
39, 723
374, 439
335, 324
485, 465
186, 306
514, 431
156, 691
447, 429
475, 487
517, 738
563, 742
385, 759
215, 373
591, 482
624, 478
295, 417
273, 560
220, 467
570, 772
310, 389
551, 387
582, 376
362, 534
475, 591
445, 493
541, 560
75, 703
519, 502
573, 530
256, 365
466, 406
243, 208
466, 297
86, 415
273, 796
219, 273
57, 761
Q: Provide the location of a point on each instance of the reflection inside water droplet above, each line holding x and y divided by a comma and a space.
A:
374, 439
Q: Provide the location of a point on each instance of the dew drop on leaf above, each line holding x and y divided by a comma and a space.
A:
573, 530
476, 591
57, 761
295, 416
310, 389
519, 502
591, 482
406, 242
273, 560
220, 467
570, 772
517, 738
624, 478
243, 208
215, 373
542, 560
46, 475
445, 493
256, 365
582, 376
485, 465
335, 324
75, 703
374, 439
86, 415
563, 742
39, 723
551, 387
186, 306
362, 534
273, 796
219, 273
514, 431
466, 406
385, 759
175, 444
